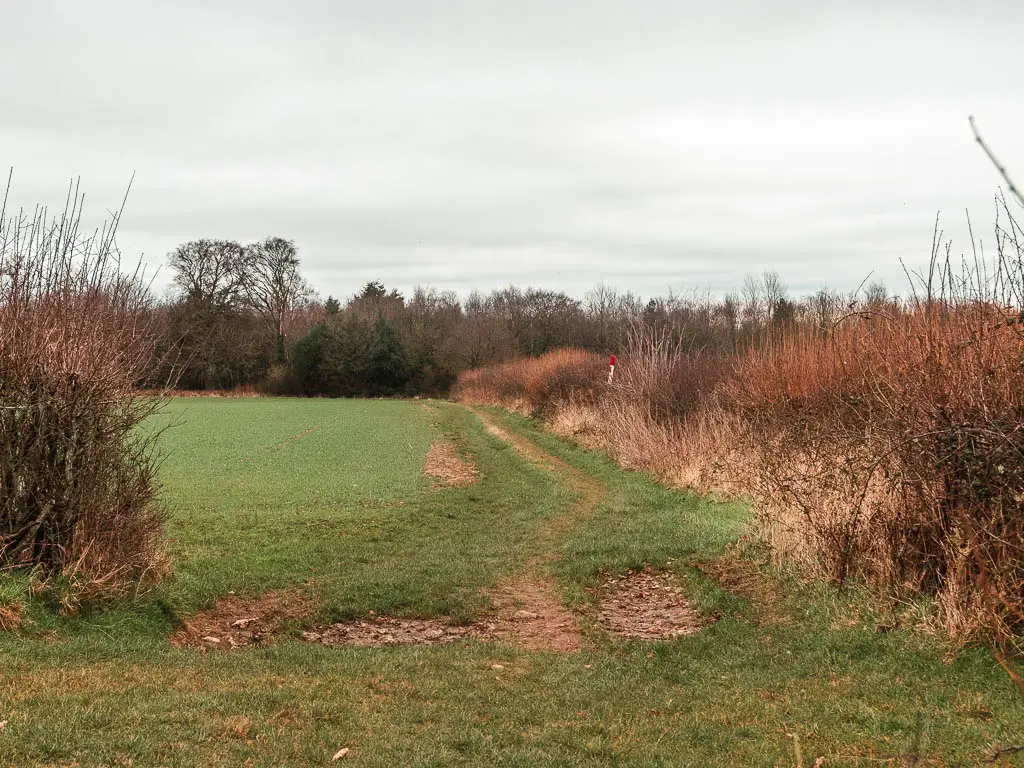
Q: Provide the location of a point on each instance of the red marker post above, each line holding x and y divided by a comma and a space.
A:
611, 369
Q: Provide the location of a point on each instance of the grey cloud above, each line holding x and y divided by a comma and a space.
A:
467, 144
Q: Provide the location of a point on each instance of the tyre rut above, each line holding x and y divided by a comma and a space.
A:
530, 609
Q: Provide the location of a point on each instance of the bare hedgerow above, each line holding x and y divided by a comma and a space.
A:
885, 445
77, 492
892, 449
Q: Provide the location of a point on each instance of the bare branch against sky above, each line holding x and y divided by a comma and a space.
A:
649, 145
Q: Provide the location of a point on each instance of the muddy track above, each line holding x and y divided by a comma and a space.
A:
530, 609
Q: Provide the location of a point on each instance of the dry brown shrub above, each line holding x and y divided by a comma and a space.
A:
886, 447
77, 493
892, 450
662, 413
535, 386
579, 422
699, 452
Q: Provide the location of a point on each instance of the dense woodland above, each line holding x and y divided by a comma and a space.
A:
243, 316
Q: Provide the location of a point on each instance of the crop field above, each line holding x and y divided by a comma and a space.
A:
418, 583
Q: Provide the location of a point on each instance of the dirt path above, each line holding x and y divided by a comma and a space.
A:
530, 610
591, 491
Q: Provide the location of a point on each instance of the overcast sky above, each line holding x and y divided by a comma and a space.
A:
651, 145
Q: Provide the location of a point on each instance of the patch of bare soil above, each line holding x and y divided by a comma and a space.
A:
450, 469
383, 630
531, 615
238, 623
644, 604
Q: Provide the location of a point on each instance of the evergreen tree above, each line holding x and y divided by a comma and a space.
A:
388, 368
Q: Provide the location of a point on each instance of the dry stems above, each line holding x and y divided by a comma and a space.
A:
887, 447
76, 476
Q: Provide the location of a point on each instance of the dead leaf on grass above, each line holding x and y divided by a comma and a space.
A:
237, 623
340, 754
10, 617
644, 604
384, 630
238, 727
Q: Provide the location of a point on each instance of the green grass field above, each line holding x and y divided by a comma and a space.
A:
328, 496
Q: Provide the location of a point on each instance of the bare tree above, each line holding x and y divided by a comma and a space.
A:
273, 285
774, 293
210, 277
601, 305
209, 272
753, 301
728, 315
823, 309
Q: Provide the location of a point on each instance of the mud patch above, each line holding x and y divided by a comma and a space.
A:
450, 469
239, 623
383, 630
644, 604
530, 614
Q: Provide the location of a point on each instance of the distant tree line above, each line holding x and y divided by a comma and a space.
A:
244, 315
230, 312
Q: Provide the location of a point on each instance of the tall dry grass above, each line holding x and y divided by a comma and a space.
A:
662, 413
887, 447
77, 492
536, 386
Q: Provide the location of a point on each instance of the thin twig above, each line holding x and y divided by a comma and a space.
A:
995, 754
999, 167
